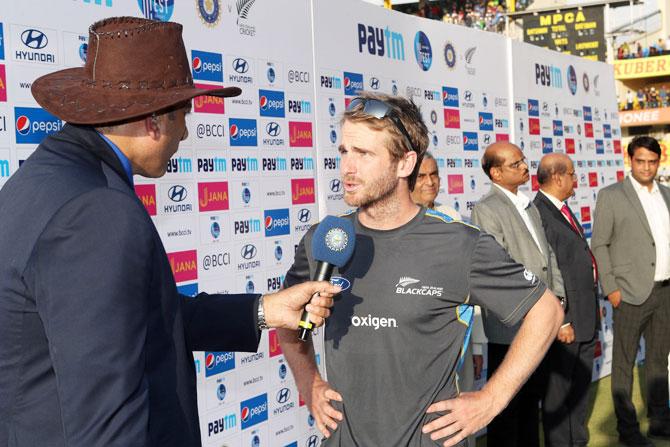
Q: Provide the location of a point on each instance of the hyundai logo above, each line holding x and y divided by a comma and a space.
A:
283, 395
34, 39
468, 95
272, 128
545, 106
240, 65
304, 215
374, 83
177, 193
335, 185
312, 441
487, 138
249, 251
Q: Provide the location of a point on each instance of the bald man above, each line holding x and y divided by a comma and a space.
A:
569, 361
427, 187
510, 216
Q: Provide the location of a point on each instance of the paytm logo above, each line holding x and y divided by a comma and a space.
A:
277, 222
33, 124
243, 132
4, 168
218, 362
548, 76
331, 82
207, 66
254, 411
485, 121
449, 97
353, 83
470, 141
271, 103
382, 42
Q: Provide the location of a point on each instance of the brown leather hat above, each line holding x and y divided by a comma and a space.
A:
134, 67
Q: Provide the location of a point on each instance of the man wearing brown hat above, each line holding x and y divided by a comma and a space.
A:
95, 342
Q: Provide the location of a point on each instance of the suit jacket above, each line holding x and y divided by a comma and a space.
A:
496, 214
574, 262
622, 242
95, 342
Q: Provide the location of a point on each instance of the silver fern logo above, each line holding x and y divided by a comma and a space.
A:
243, 7
468, 56
405, 281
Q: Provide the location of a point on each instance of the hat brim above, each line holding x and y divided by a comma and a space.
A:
68, 95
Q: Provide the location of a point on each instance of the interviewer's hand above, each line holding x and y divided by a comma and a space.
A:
466, 414
284, 308
615, 298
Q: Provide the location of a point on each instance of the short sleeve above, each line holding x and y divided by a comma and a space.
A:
501, 285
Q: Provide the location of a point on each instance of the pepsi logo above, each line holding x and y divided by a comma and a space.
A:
209, 361
347, 82
197, 64
264, 102
268, 222
234, 132
23, 125
245, 413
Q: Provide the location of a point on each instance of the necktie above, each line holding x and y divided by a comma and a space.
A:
566, 212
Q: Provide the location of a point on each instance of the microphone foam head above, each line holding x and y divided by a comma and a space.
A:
333, 241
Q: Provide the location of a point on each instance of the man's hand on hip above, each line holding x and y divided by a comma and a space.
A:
615, 298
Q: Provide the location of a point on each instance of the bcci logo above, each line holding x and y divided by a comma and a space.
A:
209, 11
450, 55
336, 239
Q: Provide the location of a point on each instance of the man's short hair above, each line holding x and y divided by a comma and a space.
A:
646, 142
490, 160
546, 170
410, 116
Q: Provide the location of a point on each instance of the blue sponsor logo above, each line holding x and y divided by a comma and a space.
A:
243, 132
207, 66
277, 222
587, 230
572, 79
34, 124
485, 121
423, 51
254, 411
557, 127
339, 281
188, 289
2, 43
221, 391
218, 362
271, 103
449, 96
157, 9
600, 147
209, 11
588, 116
353, 83
470, 141
533, 107
547, 145
250, 287
607, 130
283, 370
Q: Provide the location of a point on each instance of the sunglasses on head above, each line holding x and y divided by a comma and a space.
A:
380, 110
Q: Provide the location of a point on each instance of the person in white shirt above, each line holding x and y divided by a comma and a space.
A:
631, 243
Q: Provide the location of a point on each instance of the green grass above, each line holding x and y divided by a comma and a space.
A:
602, 422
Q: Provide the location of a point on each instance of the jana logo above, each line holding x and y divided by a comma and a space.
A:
156, 9
209, 11
343, 283
423, 51
572, 79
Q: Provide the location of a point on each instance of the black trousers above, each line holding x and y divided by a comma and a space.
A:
652, 320
564, 410
518, 424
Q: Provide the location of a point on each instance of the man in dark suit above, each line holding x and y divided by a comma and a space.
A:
95, 342
631, 242
512, 219
569, 361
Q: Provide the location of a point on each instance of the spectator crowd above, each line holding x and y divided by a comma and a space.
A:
636, 50
649, 97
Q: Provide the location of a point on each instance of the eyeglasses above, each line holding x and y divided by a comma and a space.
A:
517, 164
380, 110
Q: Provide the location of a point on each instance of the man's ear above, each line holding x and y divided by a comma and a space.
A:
406, 164
152, 127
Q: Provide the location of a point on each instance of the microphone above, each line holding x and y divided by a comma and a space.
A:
332, 246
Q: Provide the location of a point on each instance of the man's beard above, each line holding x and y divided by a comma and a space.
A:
376, 192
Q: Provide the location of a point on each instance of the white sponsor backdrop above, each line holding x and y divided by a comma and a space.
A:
243, 188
